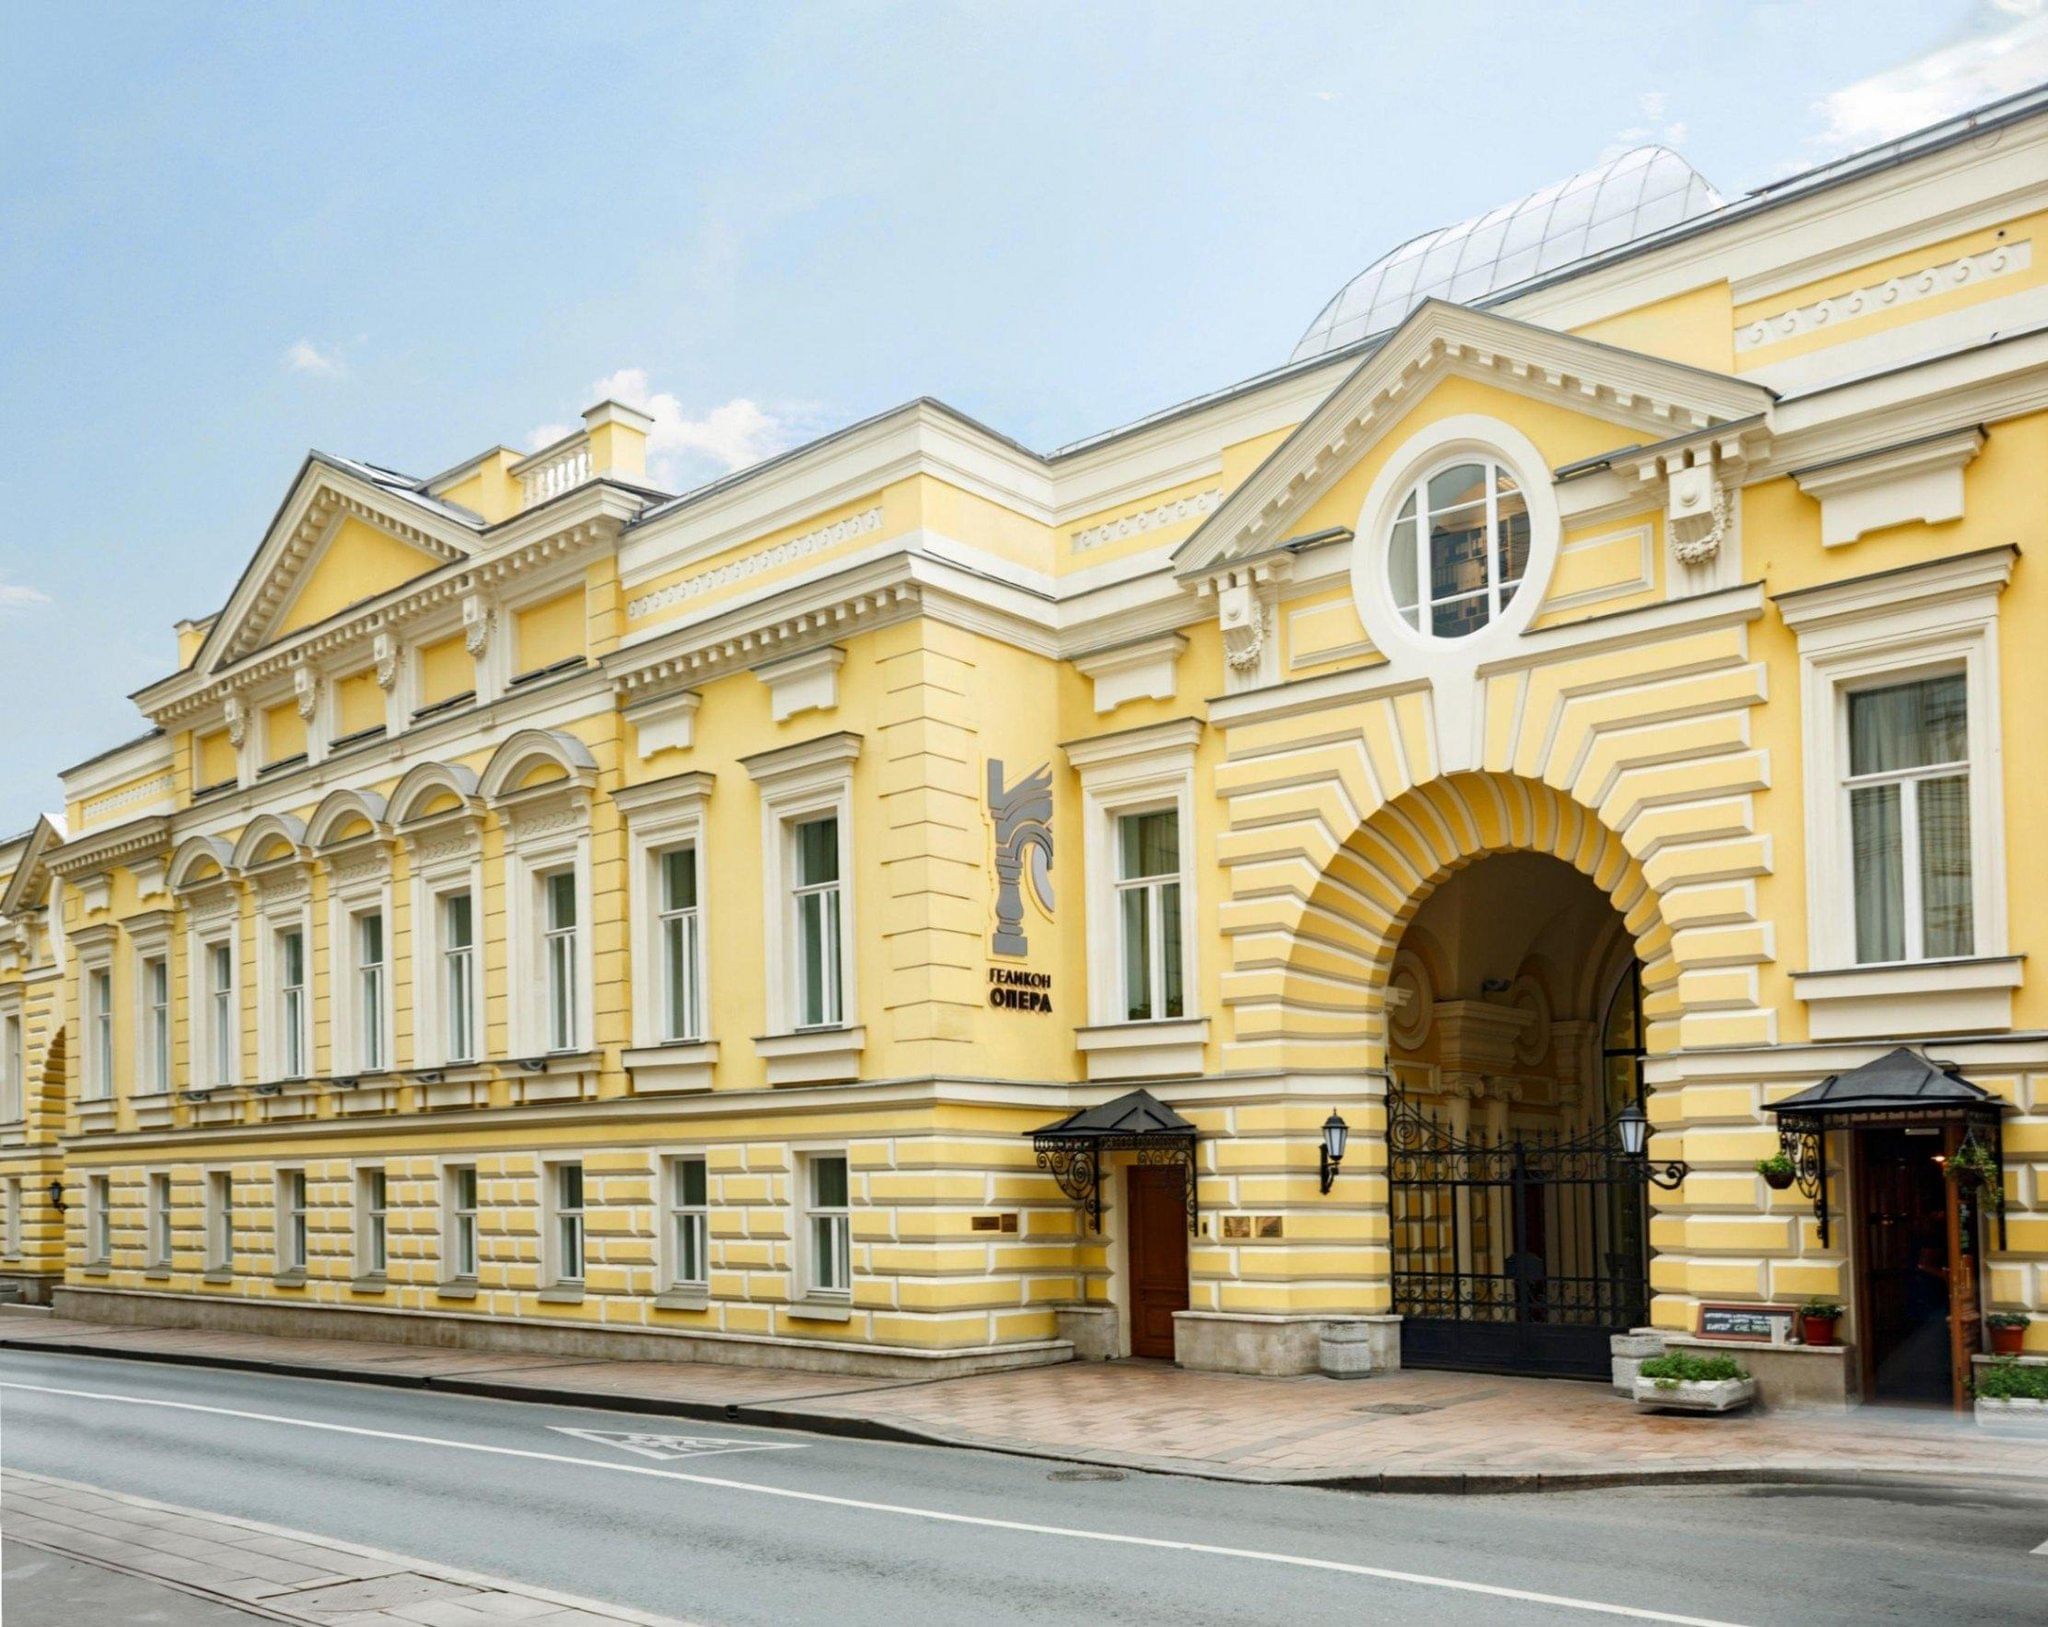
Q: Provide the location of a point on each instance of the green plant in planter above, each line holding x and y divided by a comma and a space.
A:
2008, 1319
1971, 1164
1777, 1171
1682, 1367
1818, 1307
2008, 1380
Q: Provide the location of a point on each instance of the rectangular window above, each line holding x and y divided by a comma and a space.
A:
100, 994
560, 953
371, 1056
817, 900
10, 1238
13, 1068
459, 1194
568, 1220
458, 975
220, 1005
220, 1220
679, 944
689, 1223
829, 1227
156, 1033
1148, 909
291, 1004
291, 1220
373, 1219
1908, 791
99, 1220
159, 1222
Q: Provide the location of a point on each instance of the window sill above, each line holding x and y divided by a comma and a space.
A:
822, 1310
457, 1288
1903, 999
156, 1273
1176, 1046
153, 1111
375, 1283
683, 1299
673, 1067
97, 1268
218, 1273
562, 1293
96, 1117
289, 1279
814, 1056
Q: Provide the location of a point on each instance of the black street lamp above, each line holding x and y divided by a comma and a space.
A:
1634, 1128
57, 1196
1335, 1133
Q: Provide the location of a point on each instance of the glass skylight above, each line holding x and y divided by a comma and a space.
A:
1642, 191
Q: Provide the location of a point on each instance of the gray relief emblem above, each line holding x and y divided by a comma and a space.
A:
1022, 816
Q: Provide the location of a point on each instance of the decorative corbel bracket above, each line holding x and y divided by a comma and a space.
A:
477, 616
1244, 593
305, 689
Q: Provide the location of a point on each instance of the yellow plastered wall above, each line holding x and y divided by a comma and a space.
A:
358, 563
549, 632
445, 670
1696, 328
488, 489
213, 759
284, 732
358, 703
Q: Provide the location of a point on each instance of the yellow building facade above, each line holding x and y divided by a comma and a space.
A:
916, 904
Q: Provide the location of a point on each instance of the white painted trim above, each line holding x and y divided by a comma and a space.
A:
1920, 480
661, 816
795, 782
1644, 581
1897, 1001
1143, 670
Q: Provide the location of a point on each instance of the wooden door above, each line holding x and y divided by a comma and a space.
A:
1965, 1307
1903, 1327
1156, 1215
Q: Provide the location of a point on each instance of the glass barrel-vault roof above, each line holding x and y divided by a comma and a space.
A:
1644, 190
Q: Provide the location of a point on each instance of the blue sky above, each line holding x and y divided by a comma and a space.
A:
229, 233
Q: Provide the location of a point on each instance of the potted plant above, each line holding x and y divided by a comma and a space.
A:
1817, 1319
1971, 1166
1684, 1382
2008, 1332
2012, 1395
1777, 1171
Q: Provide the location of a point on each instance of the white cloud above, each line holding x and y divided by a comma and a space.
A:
682, 447
306, 357
1651, 128
2003, 49
20, 596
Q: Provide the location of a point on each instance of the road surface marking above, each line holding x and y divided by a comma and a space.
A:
2042, 1550
987, 1522
666, 1448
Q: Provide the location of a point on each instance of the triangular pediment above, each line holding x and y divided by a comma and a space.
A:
28, 887
1646, 398
346, 533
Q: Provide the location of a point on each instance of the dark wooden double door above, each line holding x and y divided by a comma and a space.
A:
1920, 1318
1156, 1215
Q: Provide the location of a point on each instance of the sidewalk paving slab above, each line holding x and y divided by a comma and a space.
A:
280, 1575
1406, 1431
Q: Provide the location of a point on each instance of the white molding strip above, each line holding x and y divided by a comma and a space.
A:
1192, 507
2000, 260
738, 570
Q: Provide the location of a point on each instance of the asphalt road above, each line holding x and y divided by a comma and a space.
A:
762, 1526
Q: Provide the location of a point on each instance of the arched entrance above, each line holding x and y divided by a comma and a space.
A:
1516, 1040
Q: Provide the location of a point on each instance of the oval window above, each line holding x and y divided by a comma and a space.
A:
1458, 549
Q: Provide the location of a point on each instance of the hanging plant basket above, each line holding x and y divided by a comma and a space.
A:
1777, 1172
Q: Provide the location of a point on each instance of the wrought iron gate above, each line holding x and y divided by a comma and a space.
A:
1514, 1253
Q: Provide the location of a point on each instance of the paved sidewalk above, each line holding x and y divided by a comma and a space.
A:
188, 1568
1409, 1431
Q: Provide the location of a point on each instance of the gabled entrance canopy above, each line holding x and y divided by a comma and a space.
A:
1897, 1089
1073, 1148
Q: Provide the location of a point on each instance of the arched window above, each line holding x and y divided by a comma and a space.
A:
1458, 548
1621, 1041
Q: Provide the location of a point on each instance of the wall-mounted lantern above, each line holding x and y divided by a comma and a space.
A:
57, 1196
1634, 1129
1335, 1133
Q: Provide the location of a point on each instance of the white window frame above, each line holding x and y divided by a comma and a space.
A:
370, 1009
359, 886
216, 1040
1137, 771
563, 923
99, 1221
662, 816
153, 1017
453, 1213
556, 1248
159, 1236
218, 1195
1153, 887
292, 1204
446, 862
286, 1053
1869, 633
536, 847
371, 1193
13, 1063
812, 1269
99, 1020
676, 1215
799, 784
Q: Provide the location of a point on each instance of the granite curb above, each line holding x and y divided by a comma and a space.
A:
1479, 1479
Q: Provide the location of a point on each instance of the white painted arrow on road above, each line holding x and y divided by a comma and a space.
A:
666, 1448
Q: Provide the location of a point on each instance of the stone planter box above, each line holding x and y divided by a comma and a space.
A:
1717, 1395
2017, 1417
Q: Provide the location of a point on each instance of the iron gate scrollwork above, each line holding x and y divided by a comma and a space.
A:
1520, 1251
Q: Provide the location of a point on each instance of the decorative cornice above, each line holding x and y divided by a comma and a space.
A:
84, 854
1172, 512
2000, 260
789, 550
